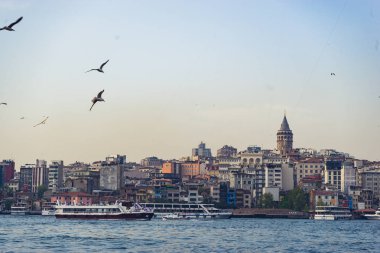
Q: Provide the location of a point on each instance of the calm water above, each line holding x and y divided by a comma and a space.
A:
46, 234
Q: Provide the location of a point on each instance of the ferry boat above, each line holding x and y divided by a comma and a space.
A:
187, 211
48, 209
121, 210
18, 210
332, 213
375, 216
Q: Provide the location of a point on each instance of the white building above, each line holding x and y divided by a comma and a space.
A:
333, 173
110, 177
40, 175
273, 175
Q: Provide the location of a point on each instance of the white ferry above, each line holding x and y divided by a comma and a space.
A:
332, 213
120, 210
18, 210
375, 216
48, 209
187, 211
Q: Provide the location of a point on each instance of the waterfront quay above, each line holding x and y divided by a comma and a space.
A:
269, 213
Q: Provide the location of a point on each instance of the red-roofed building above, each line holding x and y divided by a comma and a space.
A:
312, 182
308, 167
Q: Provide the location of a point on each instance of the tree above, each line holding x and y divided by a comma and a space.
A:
7, 204
296, 200
41, 190
299, 200
267, 200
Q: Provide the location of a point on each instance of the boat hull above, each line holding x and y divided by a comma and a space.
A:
332, 217
199, 216
48, 212
121, 216
372, 217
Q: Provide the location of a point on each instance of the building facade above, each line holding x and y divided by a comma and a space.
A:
40, 175
55, 175
201, 151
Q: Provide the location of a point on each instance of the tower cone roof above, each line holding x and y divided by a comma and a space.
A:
285, 125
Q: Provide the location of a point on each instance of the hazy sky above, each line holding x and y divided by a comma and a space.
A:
182, 72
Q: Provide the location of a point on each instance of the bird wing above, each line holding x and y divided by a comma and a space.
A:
90, 70
92, 105
101, 66
18, 20
100, 94
43, 122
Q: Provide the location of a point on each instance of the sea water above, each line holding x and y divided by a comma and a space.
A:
46, 234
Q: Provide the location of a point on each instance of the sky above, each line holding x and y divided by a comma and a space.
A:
182, 72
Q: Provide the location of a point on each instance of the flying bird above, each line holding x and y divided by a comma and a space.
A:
97, 98
22, 118
333, 74
3, 104
9, 27
99, 69
42, 122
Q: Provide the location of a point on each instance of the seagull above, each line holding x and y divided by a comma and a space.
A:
99, 69
333, 74
9, 27
22, 118
42, 122
3, 104
97, 98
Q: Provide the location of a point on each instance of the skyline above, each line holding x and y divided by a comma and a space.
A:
181, 72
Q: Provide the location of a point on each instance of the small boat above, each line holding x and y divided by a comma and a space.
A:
375, 216
332, 213
121, 210
175, 216
48, 209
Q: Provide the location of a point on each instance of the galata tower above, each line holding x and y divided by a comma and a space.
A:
284, 138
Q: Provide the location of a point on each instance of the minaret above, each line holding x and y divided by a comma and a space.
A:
284, 138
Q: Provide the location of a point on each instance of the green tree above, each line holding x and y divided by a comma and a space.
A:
41, 190
267, 200
7, 204
296, 200
284, 203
